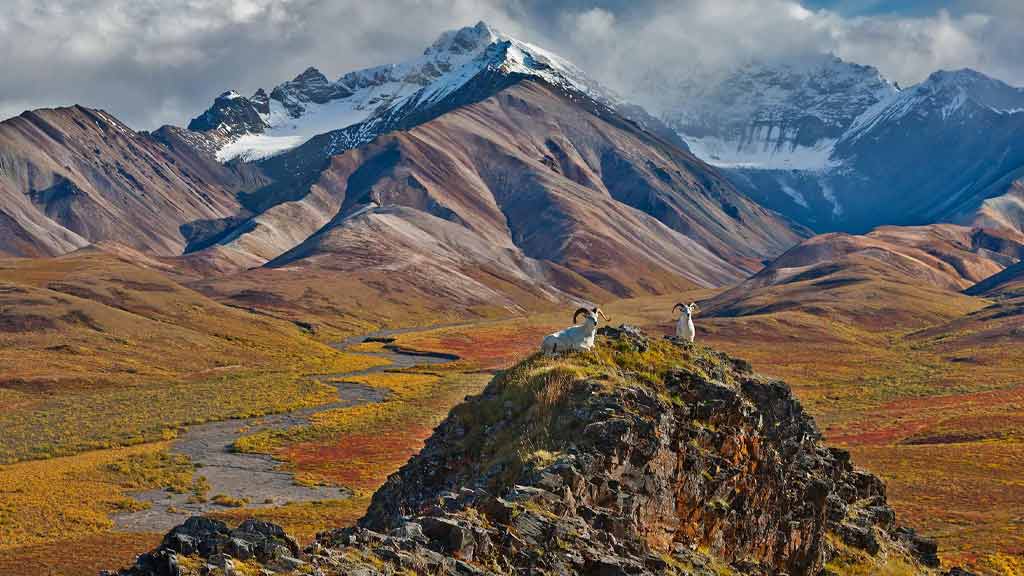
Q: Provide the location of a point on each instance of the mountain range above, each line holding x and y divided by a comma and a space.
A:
488, 163
507, 175
838, 147
485, 162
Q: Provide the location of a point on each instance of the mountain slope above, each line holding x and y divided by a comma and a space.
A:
1007, 284
891, 277
74, 176
1005, 211
522, 173
532, 172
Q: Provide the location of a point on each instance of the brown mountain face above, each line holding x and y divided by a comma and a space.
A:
1007, 284
528, 189
524, 184
891, 275
74, 176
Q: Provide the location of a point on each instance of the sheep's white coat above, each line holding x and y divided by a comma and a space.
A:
684, 327
578, 337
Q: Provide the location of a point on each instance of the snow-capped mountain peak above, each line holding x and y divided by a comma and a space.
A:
463, 40
946, 95
366, 102
785, 114
967, 84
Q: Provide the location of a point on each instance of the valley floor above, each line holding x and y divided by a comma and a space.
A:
941, 421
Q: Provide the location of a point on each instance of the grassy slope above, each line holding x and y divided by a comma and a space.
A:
97, 352
343, 304
50, 506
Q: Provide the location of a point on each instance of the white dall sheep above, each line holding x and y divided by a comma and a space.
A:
684, 327
578, 337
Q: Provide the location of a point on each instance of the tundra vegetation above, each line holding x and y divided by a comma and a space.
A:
924, 388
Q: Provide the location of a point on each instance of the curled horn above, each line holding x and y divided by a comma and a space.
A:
678, 305
578, 312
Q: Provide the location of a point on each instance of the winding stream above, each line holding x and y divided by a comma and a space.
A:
257, 477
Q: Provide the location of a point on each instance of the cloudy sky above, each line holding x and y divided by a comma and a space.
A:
152, 62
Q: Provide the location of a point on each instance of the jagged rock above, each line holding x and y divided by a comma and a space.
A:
214, 541
862, 537
703, 466
233, 114
627, 333
924, 548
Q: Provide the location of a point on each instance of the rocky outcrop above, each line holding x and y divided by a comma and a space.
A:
642, 457
231, 114
310, 86
220, 547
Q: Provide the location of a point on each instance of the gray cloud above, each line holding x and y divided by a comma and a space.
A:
158, 61
689, 39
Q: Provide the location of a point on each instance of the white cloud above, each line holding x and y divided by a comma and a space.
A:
692, 40
596, 24
156, 61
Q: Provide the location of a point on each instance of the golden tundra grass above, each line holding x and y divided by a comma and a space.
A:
96, 353
873, 380
73, 496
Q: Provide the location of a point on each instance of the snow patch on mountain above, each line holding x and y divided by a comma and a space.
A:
251, 147
830, 195
310, 105
794, 194
763, 150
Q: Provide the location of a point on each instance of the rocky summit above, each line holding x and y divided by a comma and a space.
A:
642, 456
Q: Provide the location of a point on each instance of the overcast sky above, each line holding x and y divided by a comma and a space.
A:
152, 62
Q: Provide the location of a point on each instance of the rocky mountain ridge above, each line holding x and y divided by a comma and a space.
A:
365, 103
641, 457
785, 115
943, 150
